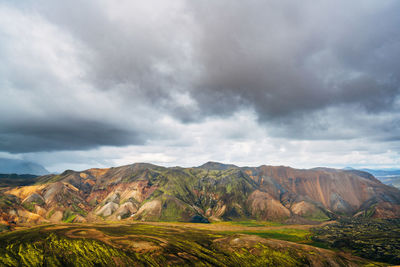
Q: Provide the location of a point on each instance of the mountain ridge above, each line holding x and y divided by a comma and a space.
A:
387, 176
211, 192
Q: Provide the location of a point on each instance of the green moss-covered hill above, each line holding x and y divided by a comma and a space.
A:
211, 192
142, 244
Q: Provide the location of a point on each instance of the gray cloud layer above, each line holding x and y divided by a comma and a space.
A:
78, 75
291, 57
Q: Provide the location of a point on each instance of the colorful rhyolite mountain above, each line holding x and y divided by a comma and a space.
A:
211, 192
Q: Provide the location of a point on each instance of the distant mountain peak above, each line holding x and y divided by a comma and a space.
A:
212, 165
21, 167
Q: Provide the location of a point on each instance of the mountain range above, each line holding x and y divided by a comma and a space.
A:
388, 176
210, 192
17, 166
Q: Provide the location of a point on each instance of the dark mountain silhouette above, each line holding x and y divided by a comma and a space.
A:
9, 166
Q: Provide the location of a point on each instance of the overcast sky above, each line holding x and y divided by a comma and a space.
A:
99, 83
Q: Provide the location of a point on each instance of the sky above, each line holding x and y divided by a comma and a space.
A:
101, 83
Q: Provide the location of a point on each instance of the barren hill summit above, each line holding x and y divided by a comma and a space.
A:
210, 192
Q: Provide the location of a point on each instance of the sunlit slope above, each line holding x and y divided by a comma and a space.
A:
157, 245
211, 192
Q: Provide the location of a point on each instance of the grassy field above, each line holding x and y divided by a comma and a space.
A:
288, 234
252, 223
167, 244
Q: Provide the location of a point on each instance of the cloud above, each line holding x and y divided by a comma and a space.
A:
280, 59
212, 140
295, 58
176, 76
65, 135
48, 101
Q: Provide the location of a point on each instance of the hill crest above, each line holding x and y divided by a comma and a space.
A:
210, 192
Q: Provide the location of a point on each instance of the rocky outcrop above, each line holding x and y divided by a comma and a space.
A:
107, 209
265, 207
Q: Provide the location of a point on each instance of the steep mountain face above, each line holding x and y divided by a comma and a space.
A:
10, 166
211, 192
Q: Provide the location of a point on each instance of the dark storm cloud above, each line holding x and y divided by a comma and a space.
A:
67, 134
278, 58
300, 66
297, 57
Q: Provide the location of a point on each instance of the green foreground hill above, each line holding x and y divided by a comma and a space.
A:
161, 244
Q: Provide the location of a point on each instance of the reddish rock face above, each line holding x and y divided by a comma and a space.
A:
265, 207
212, 191
335, 190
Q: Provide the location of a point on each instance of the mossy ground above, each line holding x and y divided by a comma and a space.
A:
153, 244
287, 234
253, 223
373, 239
